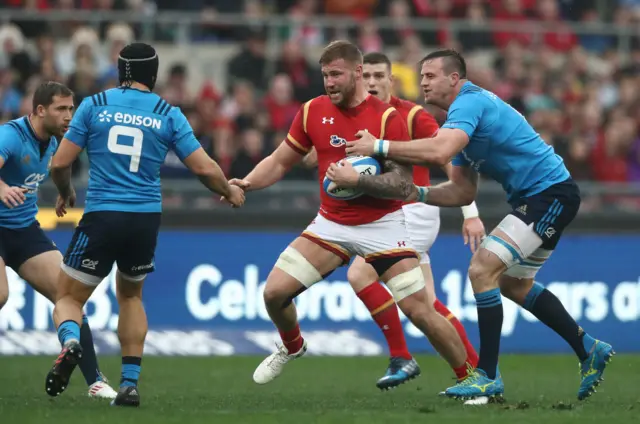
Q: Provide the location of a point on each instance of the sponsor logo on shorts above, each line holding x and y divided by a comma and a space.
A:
550, 232
142, 267
89, 264
402, 244
522, 210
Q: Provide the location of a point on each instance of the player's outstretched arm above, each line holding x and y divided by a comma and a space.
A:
273, 168
460, 190
395, 183
438, 150
208, 171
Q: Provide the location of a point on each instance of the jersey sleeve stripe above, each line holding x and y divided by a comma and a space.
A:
295, 145
104, 98
163, 108
166, 112
155, 109
305, 115
412, 114
93, 99
383, 124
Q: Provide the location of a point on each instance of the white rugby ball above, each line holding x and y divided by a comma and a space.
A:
365, 165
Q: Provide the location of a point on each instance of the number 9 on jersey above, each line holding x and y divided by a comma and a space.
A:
134, 150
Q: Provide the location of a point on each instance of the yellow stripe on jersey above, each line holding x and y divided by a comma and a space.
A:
305, 115
383, 125
297, 143
412, 114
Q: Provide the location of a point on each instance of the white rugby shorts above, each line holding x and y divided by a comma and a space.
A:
423, 224
386, 237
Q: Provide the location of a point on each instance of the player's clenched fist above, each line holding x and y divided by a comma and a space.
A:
364, 146
12, 196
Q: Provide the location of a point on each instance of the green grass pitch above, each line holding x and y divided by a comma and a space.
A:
539, 390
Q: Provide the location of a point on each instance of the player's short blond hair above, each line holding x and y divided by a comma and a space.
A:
341, 49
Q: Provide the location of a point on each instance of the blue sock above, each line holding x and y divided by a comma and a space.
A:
545, 306
68, 330
89, 363
490, 318
130, 371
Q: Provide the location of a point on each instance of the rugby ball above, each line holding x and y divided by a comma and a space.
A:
364, 165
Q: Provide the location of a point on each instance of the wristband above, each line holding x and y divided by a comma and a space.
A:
470, 211
423, 192
381, 148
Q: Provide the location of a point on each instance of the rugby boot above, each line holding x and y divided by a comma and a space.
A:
400, 371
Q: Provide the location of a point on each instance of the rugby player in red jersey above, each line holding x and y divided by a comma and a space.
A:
371, 226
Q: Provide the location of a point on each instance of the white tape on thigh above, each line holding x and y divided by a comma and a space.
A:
83, 277
530, 266
523, 236
406, 284
508, 254
293, 263
135, 279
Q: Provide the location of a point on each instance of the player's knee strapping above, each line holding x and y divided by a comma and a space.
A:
524, 257
405, 284
296, 265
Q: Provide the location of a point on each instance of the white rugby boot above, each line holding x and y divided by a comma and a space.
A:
101, 389
273, 364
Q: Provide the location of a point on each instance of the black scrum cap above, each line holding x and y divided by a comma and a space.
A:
138, 62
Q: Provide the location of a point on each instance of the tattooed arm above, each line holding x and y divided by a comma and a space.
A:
395, 183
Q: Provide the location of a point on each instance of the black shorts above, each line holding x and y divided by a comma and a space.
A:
550, 211
105, 237
17, 245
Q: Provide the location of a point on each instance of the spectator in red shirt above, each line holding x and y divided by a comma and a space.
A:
513, 12
280, 104
559, 36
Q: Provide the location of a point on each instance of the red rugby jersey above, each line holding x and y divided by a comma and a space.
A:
321, 124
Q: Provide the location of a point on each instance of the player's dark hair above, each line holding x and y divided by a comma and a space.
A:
341, 49
376, 58
138, 62
452, 61
47, 91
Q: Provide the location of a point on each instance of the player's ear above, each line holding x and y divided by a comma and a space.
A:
454, 78
359, 68
40, 110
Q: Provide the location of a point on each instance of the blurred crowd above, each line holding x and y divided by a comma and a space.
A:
581, 92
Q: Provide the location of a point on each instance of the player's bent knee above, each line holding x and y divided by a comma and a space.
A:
4, 298
406, 284
297, 266
361, 275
